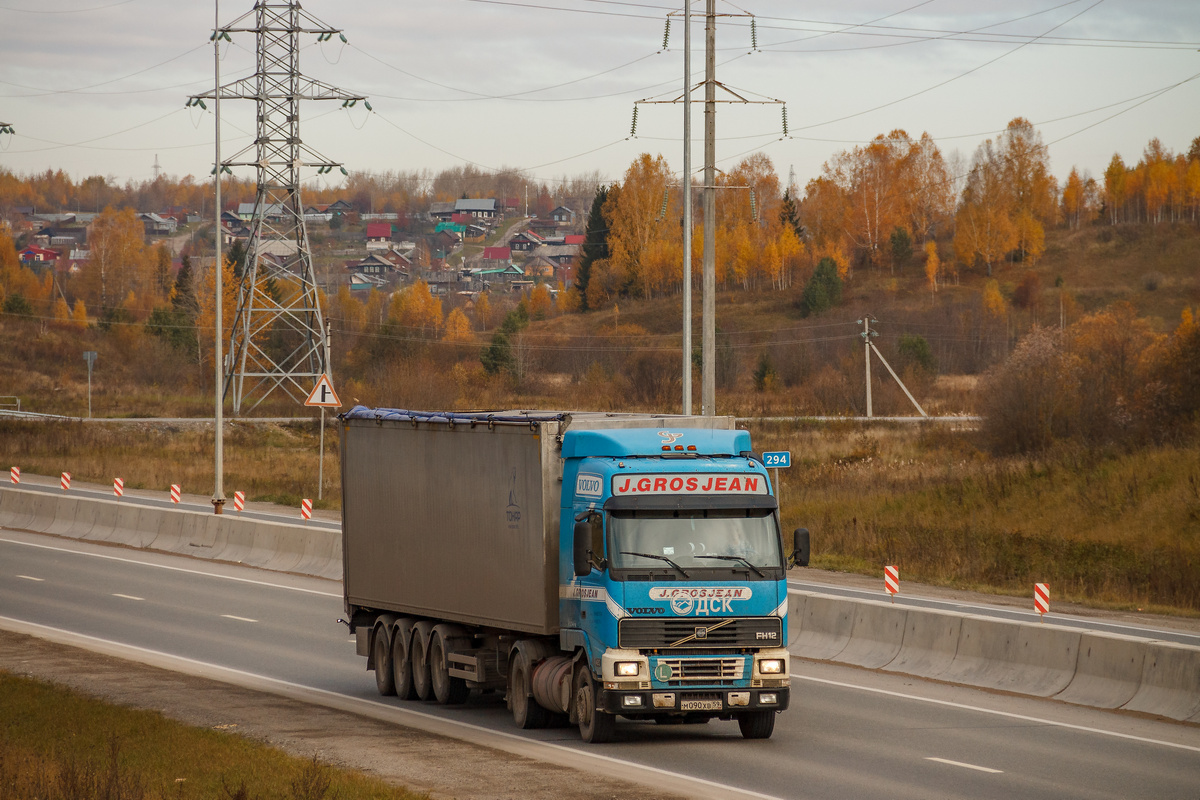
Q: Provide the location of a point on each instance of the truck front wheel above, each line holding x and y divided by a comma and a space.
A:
384, 681
595, 726
756, 724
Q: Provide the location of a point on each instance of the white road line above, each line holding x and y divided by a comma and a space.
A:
128, 596
1021, 614
965, 766
1008, 714
173, 569
239, 619
666, 780
31, 578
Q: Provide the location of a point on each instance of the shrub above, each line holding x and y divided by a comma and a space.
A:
1031, 398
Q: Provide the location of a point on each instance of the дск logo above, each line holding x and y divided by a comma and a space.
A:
701, 600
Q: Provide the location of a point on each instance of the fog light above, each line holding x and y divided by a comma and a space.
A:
627, 669
632, 701
739, 698
768, 699
770, 666
664, 700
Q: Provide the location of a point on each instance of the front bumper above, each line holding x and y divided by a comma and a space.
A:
710, 702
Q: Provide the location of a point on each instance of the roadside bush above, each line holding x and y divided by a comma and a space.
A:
1032, 398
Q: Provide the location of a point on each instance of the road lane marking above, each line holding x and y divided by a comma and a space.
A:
31, 578
998, 612
239, 619
176, 569
127, 596
431, 723
964, 765
1008, 714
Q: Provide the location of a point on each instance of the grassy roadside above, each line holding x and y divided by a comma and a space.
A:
1110, 529
56, 744
1104, 528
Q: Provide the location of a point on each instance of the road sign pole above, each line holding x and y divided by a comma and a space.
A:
321, 458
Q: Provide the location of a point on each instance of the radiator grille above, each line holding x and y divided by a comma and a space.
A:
700, 669
637, 633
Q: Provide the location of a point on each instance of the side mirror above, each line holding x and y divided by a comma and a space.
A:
800, 548
582, 547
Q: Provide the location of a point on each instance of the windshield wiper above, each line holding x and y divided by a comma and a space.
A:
660, 558
761, 574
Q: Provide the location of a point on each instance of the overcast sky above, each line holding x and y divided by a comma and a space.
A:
98, 86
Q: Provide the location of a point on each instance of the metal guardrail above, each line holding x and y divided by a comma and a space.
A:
10, 401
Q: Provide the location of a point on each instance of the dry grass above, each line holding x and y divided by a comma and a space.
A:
1115, 528
58, 745
268, 462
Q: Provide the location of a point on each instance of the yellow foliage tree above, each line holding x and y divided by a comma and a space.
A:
118, 261
61, 312
933, 265
206, 309
458, 327
483, 311
415, 308
993, 301
538, 304
79, 315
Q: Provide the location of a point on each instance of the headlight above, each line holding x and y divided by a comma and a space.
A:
629, 669
770, 666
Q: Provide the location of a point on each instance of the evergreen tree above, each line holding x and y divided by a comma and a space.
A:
789, 216
824, 289
595, 244
185, 290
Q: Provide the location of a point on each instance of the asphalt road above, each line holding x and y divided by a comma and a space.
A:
850, 733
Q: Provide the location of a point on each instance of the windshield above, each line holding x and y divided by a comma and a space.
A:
691, 538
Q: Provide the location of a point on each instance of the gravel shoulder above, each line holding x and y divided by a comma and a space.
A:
439, 766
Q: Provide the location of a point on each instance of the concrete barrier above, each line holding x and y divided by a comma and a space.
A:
1170, 684
1016, 657
877, 636
104, 521
795, 615
826, 627
16, 510
1108, 671
930, 644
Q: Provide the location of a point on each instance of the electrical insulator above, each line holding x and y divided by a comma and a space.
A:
667, 34
753, 207
367, 103
753, 34
785, 130
663, 211
633, 128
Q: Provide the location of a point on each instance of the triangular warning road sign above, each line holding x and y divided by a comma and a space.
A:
323, 394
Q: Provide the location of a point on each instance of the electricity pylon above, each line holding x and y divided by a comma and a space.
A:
278, 337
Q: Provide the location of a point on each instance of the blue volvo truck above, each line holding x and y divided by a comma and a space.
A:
590, 566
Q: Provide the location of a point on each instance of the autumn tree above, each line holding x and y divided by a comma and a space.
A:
416, 309
458, 327
595, 243
638, 224
983, 228
483, 311
933, 265
118, 261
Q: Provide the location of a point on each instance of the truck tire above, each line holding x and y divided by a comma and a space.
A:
402, 670
595, 726
448, 690
756, 724
418, 658
385, 682
527, 712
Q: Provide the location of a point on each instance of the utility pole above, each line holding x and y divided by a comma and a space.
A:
708, 378
866, 335
687, 206
218, 498
277, 340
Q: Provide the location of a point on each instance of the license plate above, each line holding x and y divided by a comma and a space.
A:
699, 705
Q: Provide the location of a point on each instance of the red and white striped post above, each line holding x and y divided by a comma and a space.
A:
118, 487
1041, 598
65, 481
239, 501
306, 509
891, 581
14, 474
174, 492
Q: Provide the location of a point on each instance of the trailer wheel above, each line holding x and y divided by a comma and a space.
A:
418, 657
402, 670
595, 726
526, 711
756, 724
385, 682
448, 690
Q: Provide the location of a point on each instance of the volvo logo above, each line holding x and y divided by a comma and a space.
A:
701, 633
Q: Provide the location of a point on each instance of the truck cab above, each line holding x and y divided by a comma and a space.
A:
673, 576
